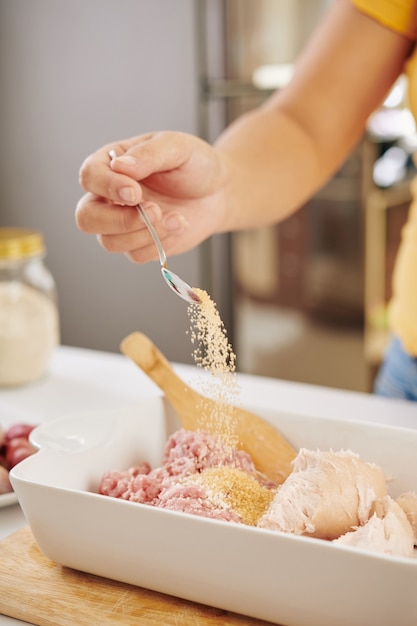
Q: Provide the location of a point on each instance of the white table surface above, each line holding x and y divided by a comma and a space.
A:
81, 380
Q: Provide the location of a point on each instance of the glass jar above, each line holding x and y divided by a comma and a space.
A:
29, 320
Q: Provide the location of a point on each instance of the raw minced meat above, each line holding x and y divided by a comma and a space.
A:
187, 454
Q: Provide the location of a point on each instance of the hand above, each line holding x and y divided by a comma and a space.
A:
176, 176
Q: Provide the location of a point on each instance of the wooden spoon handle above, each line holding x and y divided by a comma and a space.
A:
270, 452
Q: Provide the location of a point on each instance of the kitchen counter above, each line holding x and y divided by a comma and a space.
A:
82, 380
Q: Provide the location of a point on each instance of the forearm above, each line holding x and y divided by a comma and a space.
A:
271, 166
282, 153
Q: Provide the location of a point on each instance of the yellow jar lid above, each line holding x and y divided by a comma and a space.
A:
19, 243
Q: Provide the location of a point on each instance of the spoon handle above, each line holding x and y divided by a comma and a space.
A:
154, 235
148, 224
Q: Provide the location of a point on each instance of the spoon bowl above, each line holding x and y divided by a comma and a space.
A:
179, 286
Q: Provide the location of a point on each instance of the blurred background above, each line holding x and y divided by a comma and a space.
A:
304, 300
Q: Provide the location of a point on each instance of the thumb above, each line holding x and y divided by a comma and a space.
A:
153, 154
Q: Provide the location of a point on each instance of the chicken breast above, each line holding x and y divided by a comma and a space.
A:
387, 531
326, 495
408, 503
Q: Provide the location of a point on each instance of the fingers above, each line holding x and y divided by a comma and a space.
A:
154, 157
97, 177
138, 244
178, 178
120, 229
116, 179
94, 215
152, 154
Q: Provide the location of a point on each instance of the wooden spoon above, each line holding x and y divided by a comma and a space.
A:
270, 452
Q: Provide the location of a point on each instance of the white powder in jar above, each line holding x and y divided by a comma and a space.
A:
29, 330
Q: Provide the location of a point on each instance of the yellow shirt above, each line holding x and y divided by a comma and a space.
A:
401, 16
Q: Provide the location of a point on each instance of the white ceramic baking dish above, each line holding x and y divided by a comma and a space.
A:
289, 580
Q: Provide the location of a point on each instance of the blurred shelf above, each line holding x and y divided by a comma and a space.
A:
375, 343
386, 212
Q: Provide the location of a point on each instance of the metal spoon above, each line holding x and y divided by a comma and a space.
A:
173, 280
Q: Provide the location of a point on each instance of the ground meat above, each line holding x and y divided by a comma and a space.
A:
119, 484
186, 454
193, 498
189, 452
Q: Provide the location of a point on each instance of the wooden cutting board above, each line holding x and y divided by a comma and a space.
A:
38, 591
